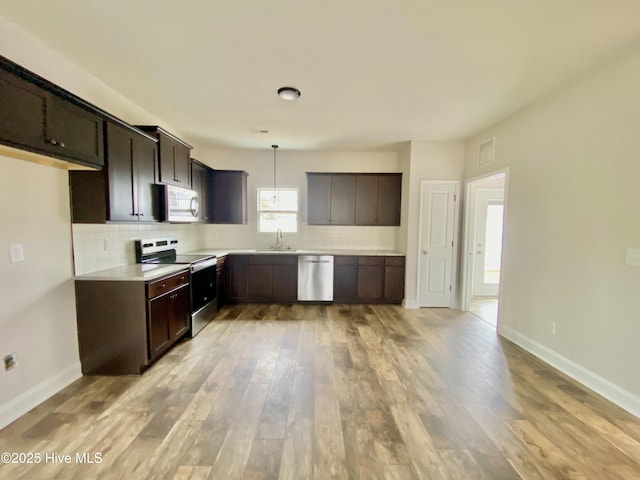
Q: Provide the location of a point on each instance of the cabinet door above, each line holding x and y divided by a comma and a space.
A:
201, 183
389, 198
159, 335
221, 284
343, 196
238, 278
166, 160
370, 278
230, 197
285, 283
146, 194
370, 283
178, 313
182, 165
318, 199
260, 282
74, 132
120, 174
345, 285
393, 284
366, 200
22, 114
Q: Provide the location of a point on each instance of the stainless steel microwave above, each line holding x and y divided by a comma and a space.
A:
180, 205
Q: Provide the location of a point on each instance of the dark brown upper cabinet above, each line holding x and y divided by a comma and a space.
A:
354, 199
331, 199
230, 196
125, 190
378, 198
174, 157
202, 182
39, 117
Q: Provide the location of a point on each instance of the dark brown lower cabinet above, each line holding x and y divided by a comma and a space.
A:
238, 278
222, 277
394, 279
356, 279
370, 279
124, 326
345, 279
272, 278
168, 319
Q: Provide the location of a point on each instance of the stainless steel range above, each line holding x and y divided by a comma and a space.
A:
203, 276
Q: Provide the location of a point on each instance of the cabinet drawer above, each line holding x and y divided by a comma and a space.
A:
274, 259
371, 260
398, 261
158, 287
345, 260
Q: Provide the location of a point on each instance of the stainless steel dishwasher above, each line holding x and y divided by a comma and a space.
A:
315, 278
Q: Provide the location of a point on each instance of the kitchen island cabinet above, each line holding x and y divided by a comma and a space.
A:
125, 325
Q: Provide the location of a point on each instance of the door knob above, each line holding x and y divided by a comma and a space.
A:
425, 252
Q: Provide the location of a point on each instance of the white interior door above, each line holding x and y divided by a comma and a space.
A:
488, 242
437, 221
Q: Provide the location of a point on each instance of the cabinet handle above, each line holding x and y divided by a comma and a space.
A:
175, 295
61, 144
133, 214
163, 285
52, 141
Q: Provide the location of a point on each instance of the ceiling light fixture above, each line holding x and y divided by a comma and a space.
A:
289, 93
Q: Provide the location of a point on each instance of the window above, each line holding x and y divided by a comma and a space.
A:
277, 209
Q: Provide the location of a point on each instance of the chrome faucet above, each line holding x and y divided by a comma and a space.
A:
279, 243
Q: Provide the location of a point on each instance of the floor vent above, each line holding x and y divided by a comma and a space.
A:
487, 152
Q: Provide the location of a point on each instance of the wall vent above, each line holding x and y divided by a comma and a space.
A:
487, 152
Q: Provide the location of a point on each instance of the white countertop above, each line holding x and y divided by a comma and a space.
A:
221, 252
135, 272
145, 272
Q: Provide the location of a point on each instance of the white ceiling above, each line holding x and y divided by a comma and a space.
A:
372, 72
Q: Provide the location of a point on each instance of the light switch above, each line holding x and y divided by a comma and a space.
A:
16, 253
633, 257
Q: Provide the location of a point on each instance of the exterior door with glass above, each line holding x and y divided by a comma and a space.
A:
488, 242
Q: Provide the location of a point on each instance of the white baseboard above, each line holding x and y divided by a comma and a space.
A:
37, 394
612, 392
410, 304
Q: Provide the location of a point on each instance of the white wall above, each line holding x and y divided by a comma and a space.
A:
38, 321
428, 160
572, 210
37, 318
291, 171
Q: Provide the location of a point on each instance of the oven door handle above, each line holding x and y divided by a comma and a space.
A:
196, 267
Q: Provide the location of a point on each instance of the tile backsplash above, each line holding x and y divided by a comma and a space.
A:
98, 247
315, 236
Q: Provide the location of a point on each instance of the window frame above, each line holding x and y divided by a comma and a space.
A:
259, 210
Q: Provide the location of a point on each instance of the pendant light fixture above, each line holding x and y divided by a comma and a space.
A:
275, 194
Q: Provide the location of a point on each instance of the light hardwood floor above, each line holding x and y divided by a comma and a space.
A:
322, 392
486, 308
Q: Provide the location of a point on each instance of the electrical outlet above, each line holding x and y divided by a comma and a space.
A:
552, 327
105, 244
10, 361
